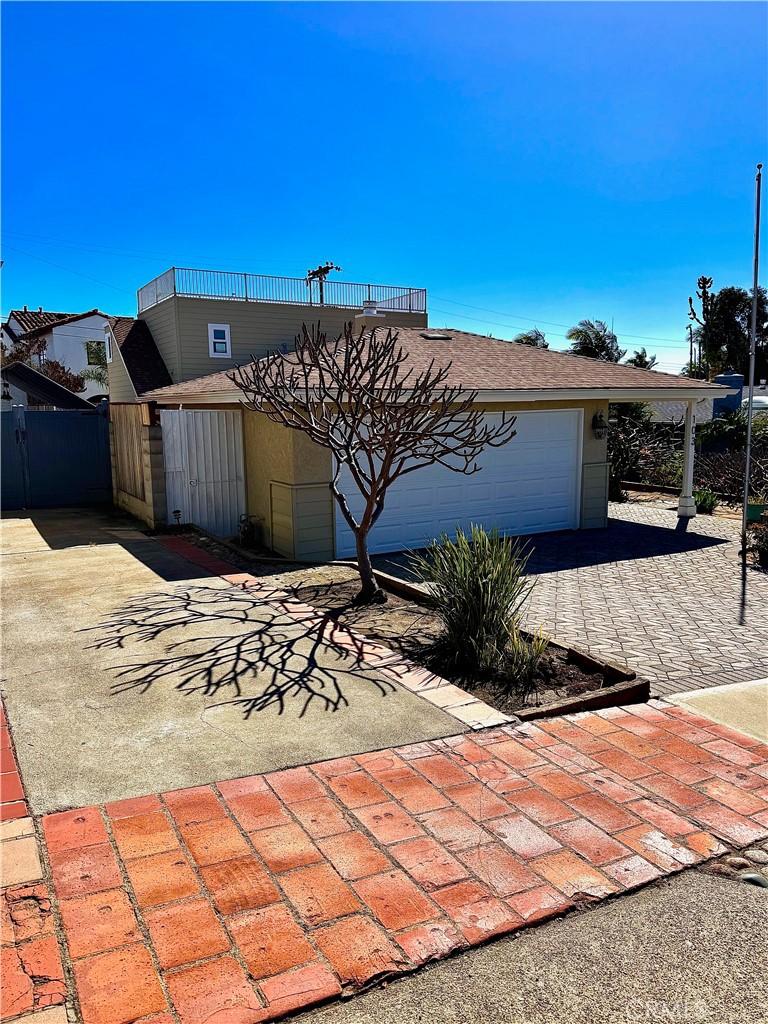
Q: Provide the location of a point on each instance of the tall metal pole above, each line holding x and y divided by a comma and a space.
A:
752, 351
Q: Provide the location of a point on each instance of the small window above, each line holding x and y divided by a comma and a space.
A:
218, 341
95, 353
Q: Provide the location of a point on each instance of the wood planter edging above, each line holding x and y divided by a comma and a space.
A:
624, 686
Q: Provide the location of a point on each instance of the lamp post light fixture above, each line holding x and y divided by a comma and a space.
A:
599, 426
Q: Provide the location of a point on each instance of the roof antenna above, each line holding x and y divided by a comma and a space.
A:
319, 274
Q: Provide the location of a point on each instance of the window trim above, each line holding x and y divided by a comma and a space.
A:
96, 341
212, 342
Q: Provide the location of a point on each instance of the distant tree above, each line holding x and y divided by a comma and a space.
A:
534, 337
379, 416
722, 327
32, 352
595, 339
641, 360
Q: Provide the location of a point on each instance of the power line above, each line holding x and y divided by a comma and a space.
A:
547, 323
516, 327
69, 270
130, 253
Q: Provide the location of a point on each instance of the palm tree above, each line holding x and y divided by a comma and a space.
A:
595, 339
641, 360
533, 337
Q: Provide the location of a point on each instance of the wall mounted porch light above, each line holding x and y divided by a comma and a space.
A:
599, 426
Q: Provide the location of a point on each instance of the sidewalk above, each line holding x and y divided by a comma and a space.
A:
273, 893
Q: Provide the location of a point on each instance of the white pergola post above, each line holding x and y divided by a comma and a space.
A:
686, 506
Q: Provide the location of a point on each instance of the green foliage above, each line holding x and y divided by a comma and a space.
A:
757, 543
523, 657
96, 354
478, 587
722, 327
641, 360
729, 431
706, 500
635, 443
595, 339
534, 337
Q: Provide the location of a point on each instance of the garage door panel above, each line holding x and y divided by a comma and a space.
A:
530, 485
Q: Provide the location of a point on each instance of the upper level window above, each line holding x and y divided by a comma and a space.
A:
96, 353
219, 346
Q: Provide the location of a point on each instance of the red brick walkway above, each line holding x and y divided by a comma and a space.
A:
240, 902
31, 975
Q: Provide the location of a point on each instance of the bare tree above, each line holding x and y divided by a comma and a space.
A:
379, 416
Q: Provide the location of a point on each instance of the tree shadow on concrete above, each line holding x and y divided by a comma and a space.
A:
238, 642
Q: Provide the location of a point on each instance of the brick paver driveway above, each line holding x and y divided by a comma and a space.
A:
672, 604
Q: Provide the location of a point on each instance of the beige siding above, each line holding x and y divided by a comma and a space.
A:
163, 325
256, 328
301, 521
313, 523
594, 496
121, 387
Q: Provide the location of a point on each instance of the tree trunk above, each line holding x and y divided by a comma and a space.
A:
370, 592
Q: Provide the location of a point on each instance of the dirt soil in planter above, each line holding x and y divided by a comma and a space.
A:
409, 628
402, 625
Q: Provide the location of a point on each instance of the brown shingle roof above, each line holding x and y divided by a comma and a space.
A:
488, 364
142, 360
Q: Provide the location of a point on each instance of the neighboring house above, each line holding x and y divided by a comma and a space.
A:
553, 475
195, 322
26, 380
72, 339
674, 412
134, 364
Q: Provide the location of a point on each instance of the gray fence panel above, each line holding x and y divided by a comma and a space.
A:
64, 456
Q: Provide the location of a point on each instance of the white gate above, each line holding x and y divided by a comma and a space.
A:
204, 470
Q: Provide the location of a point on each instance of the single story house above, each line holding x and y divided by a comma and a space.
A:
553, 475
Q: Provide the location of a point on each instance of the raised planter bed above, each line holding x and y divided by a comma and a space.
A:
572, 680
575, 680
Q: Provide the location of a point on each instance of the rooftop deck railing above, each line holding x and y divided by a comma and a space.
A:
217, 284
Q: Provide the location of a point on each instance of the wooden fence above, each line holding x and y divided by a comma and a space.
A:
127, 425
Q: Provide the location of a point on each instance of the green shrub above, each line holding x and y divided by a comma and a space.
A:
758, 543
478, 587
523, 658
706, 501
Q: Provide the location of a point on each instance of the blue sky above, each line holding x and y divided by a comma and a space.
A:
527, 163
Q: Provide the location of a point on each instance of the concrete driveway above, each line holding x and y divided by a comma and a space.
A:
675, 606
127, 670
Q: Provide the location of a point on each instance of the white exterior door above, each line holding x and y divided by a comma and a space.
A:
204, 469
530, 485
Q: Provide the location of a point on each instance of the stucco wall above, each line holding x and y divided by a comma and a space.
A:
287, 480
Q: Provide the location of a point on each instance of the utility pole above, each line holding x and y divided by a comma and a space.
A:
752, 351
691, 370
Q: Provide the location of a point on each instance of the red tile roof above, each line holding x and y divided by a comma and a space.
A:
488, 364
40, 321
30, 319
142, 360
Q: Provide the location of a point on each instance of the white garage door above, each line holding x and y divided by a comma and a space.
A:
531, 485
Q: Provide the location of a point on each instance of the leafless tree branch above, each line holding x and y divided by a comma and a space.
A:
361, 397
